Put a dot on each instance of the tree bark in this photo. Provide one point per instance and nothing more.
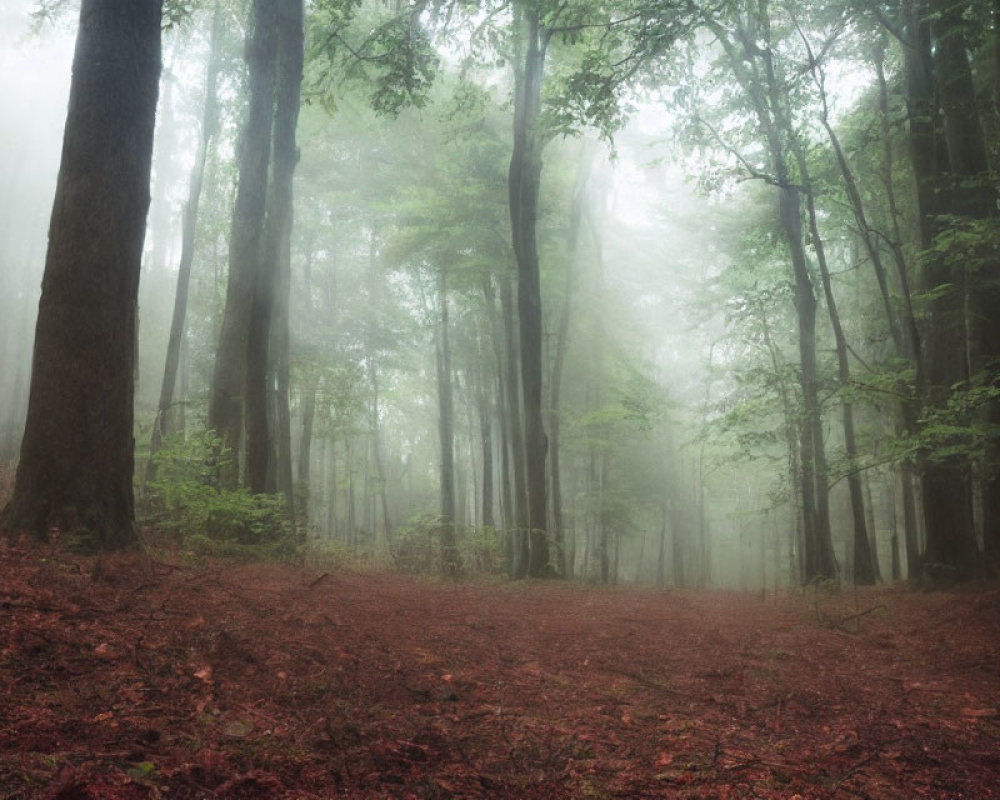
(753, 66)
(189, 227)
(559, 356)
(524, 184)
(77, 454)
(230, 376)
(446, 433)
(863, 563)
(280, 219)
(973, 200)
(485, 419)
(906, 423)
(515, 431)
(946, 482)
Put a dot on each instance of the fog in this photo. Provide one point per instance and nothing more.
(34, 85)
(674, 467)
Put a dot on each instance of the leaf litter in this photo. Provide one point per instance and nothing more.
(141, 680)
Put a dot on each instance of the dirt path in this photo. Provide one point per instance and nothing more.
(271, 682)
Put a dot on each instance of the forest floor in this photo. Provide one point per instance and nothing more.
(129, 678)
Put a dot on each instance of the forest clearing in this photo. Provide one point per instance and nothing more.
(129, 678)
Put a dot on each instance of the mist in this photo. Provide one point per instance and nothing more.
(670, 347)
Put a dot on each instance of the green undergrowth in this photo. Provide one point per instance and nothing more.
(184, 508)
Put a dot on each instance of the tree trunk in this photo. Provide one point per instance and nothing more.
(911, 340)
(946, 482)
(753, 66)
(504, 398)
(304, 475)
(600, 468)
(863, 565)
(76, 464)
(661, 555)
(189, 227)
(515, 431)
(973, 199)
(446, 432)
(524, 183)
(288, 73)
(483, 411)
(230, 376)
(372, 362)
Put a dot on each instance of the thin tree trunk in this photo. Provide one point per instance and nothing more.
(305, 441)
(559, 357)
(515, 431)
(754, 68)
(661, 557)
(504, 396)
(446, 431)
(907, 413)
(863, 565)
(189, 227)
(484, 414)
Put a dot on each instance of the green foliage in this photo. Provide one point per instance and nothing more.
(416, 548)
(390, 54)
(185, 504)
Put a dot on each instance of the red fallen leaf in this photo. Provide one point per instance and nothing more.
(104, 651)
(204, 675)
(979, 712)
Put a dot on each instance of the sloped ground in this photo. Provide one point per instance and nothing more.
(137, 680)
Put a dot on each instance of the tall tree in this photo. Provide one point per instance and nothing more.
(973, 203)
(446, 431)
(230, 376)
(189, 224)
(76, 464)
(935, 60)
(525, 178)
(278, 245)
(755, 63)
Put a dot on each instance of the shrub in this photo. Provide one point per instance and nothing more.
(416, 547)
(185, 506)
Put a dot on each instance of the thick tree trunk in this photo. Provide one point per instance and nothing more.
(973, 200)
(280, 219)
(230, 376)
(946, 482)
(524, 183)
(77, 453)
(189, 227)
